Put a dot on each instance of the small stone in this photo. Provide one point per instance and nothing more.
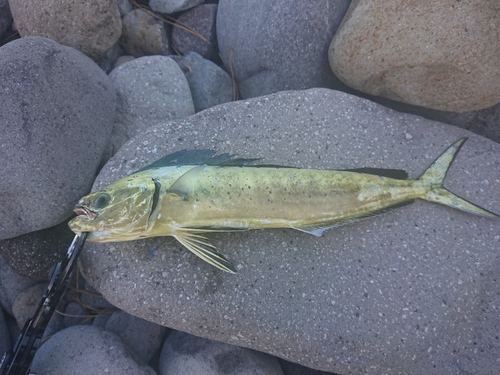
(144, 34)
(26, 302)
(4, 334)
(200, 19)
(84, 350)
(186, 354)
(210, 85)
(173, 6)
(90, 27)
(75, 314)
(143, 337)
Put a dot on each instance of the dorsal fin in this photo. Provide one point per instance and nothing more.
(197, 157)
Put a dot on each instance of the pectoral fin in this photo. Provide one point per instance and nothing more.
(200, 246)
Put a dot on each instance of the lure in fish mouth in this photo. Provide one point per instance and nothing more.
(189, 193)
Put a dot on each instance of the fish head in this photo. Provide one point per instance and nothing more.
(118, 212)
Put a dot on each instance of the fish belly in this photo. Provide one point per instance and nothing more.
(263, 197)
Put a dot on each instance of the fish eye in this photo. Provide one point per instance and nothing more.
(101, 200)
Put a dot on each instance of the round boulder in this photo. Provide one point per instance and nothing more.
(56, 111)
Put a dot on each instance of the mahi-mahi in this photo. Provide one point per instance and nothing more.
(189, 193)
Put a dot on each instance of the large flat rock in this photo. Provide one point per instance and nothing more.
(411, 291)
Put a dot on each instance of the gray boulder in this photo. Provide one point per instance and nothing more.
(410, 291)
(56, 112)
(209, 84)
(442, 55)
(86, 350)
(90, 27)
(278, 45)
(186, 354)
(143, 337)
(151, 89)
(200, 19)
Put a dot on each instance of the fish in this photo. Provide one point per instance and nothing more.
(190, 193)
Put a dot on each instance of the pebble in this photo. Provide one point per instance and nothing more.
(143, 337)
(200, 19)
(144, 34)
(441, 55)
(92, 28)
(26, 302)
(84, 350)
(11, 285)
(186, 354)
(210, 85)
(173, 6)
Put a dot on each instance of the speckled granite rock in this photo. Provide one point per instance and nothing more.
(442, 55)
(90, 27)
(411, 291)
(278, 45)
(56, 109)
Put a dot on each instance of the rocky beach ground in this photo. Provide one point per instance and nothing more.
(91, 92)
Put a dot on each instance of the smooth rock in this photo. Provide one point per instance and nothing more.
(143, 337)
(173, 6)
(123, 59)
(90, 27)
(278, 45)
(200, 19)
(75, 314)
(144, 34)
(5, 16)
(442, 55)
(186, 354)
(11, 285)
(150, 89)
(410, 291)
(34, 254)
(86, 350)
(26, 302)
(124, 6)
(56, 109)
(209, 84)
(5, 344)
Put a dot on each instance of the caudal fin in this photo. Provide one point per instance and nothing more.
(435, 175)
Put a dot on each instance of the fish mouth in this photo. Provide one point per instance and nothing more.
(85, 212)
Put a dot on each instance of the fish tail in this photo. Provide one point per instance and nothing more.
(434, 176)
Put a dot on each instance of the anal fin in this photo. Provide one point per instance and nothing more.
(202, 247)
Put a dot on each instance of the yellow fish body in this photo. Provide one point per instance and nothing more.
(184, 199)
